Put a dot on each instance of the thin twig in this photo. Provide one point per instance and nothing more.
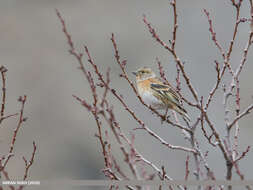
(245, 112)
(187, 171)
(20, 122)
(28, 164)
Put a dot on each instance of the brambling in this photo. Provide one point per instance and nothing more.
(157, 94)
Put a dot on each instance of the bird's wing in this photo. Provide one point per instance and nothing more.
(167, 91)
(170, 96)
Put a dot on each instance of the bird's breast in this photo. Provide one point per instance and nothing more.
(150, 99)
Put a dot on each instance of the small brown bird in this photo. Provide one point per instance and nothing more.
(157, 94)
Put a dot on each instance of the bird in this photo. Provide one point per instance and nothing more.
(157, 94)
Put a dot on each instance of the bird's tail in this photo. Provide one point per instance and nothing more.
(182, 111)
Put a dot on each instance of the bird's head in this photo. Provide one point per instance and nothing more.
(144, 73)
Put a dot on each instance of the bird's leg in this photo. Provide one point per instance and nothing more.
(164, 116)
(166, 112)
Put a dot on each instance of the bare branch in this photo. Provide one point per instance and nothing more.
(98, 123)
(161, 71)
(220, 74)
(28, 164)
(187, 171)
(173, 3)
(245, 112)
(3, 70)
(214, 34)
(243, 154)
(167, 144)
(20, 122)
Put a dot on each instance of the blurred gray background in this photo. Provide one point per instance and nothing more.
(34, 50)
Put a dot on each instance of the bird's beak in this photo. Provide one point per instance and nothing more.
(135, 73)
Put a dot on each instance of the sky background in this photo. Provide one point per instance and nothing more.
(35, 52)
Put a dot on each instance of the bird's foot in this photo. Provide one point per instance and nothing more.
(164, 118)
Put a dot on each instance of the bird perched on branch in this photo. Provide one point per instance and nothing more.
(157, 94)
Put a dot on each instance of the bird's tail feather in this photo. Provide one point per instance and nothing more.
(182, 112)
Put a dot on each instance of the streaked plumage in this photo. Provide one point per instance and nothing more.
(157, 94)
